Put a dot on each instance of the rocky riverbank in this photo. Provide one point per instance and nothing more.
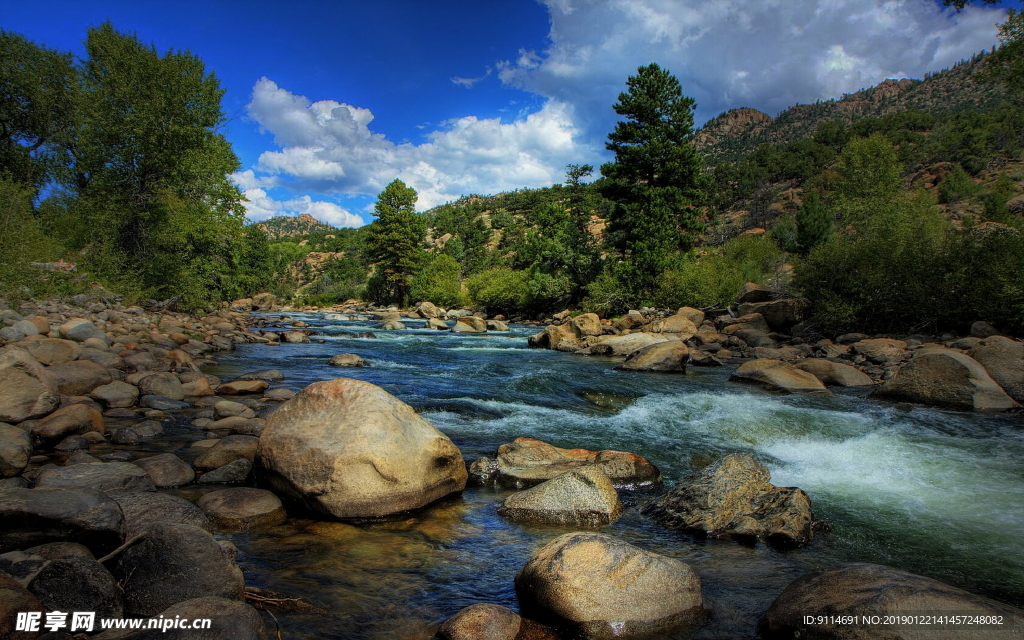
(80, 505)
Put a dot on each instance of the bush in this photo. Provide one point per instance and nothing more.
(439, 283)
(710, 281)
(956, 186)
(607, 296)
(499, 290)
(21, 243)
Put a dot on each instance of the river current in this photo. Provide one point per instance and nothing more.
(934, 492)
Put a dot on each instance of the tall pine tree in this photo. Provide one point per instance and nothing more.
(657, 179)
(395, 244)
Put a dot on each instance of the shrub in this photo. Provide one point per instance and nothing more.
(439, 283)
(500, 290)
(956, 186)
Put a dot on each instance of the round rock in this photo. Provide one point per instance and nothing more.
(481, 622)
(242, 508)
(584, 497)
(167, 470)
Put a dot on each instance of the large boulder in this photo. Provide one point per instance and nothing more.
(80, 377)
(173, 563)
(242, 508)
(946, 378)
(605, 588)
(14, 600)
(27, 389)
(72, 419)
(229, 620)
(142, 508)
(428, 310)
(835, 374)
(558, 337)
(779, 314)
(820, 604)
(734, 498)
(167, 470)
(77, 584)
(526, 462)
(627, 344)
(470, 324)
(99, 476)
(1003, 360)
(15, 450)
(587, 324)
(117, 394)
(776, 375)
(50, 351)
(163, 384)
(349, 449)
(677, 324)
(30, 517)
(226, 451)
(582, 497)
(666, 357)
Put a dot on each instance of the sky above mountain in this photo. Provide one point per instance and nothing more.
(328, 102)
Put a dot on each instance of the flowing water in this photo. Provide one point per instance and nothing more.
(933, 492)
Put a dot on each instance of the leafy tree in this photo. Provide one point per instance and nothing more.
(395, 243)
(499, 290)
(439, 283)
(956, 186)
(813, 223)
(1006, 64)
(656, 180)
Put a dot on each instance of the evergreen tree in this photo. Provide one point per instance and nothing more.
(1006, 64)
(395, 242)
(656, 180)
(813, 223)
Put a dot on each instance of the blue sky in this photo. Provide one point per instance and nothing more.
(329, 101)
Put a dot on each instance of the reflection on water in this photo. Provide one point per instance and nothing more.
(933, 492)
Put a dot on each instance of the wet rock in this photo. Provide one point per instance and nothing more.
(558, 337)
(229, 620)
(835, 374)
(393, 325)
(869, 590)
(77, 584)
(72, 443)
(469, 324)
(526, 462)
(880, 350)
(163, 384)
(347, 360)
(946, 378)
(349, 449)
(497, 325)
(15, 450)
(98, 476)
(482, 471)
(141, 508)
(15, 599)
(228, 450)
(30, 517)
(582, 497)
(239, 387)
(117, 394)
(776, 375)
(665, 357)
(51, 351)
(171, 564)
(242, 508)
(436, 323)
(279, 394)
(161, 403)
(733, 497)
(1003, 360)
(625, 345)
(605, 588)
(72, 419)
(295, 337)
(80, 457)
(27, 389)
(80, 377)
(80, 330)
(236, 472)
(481, 622)
(167, 470)
(227, 409)
(269, 375)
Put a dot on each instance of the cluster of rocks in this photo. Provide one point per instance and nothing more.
(769, 339)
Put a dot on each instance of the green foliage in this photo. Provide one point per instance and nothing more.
(499, 290)
(22, 242)
(1006, 64)
(956, 186)
(340, 279)
(785, 234)
(395, 244)
(607, 296)
(439, 283)
(813, 223)
(995, 200)
(656, 180)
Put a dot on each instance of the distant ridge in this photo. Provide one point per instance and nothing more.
(287, 226)
(737, 132)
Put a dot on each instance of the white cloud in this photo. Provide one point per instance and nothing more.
(261, 205)
(766, 54)
(469, 82)
(328, 147)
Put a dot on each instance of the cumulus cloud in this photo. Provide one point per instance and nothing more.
(260, 205)
(766, 54)
(328, 147)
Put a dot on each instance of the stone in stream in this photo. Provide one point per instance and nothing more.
(228, 408)
(228, 450)
(946, 378)
(16, 599)
(1003, 360)
(99, 476)
(80, 377)
(167, 470)
(30, 517)
(161, 403)
(733, 497)
(835, 373)
(72, 419)
(270, 375)
(229, 620)
(236, 472)
(869, 590)
(349, 449)
(779, 376)
(239, 387)
(117, 394)
(526, 462)
(605, 588)
(161, 383)
(141, 508)
(15, 450)
(347, 360)
(173, 563)
(670, 356)
(27, 389)
(581, 497)
(242, 508)
(481, 622)
(77, 584)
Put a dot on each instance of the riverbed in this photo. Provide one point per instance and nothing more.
(934, 492)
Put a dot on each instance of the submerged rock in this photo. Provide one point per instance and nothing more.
(870, 590)
(349, 449)
(526, 462)
(583, 497)
(733, 497)
(605, 588)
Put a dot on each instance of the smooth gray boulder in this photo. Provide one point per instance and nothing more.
(78, 584)
(30, 517)
(141, 508)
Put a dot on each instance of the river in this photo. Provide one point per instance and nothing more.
(934, 492)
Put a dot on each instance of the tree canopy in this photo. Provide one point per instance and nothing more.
(395, 242)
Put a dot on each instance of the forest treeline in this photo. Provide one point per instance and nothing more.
(900, 223)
